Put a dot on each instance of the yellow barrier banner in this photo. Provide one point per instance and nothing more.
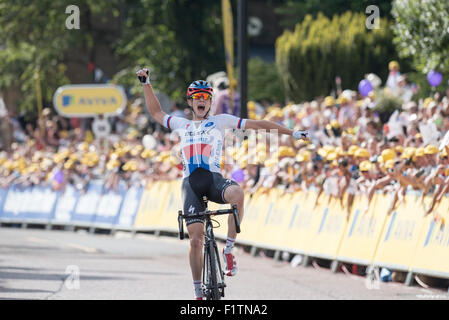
(253, 218)
(401, 233)
(277, 218)
(432, 252)
(403, 240)
(333, 223)
(152, 205)
(365, 228)
(169, 215)
(300, 234)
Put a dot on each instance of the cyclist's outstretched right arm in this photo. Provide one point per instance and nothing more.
(152, 102)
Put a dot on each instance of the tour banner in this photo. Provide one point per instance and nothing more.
(65, 205)
(89, 100)
(129, 208)
(29, 203)
(87, 204)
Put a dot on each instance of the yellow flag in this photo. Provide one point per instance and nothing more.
(229, 46)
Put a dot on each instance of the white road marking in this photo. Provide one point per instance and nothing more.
(123, 235)
(82, 248)
(71, 245)
(37, 240)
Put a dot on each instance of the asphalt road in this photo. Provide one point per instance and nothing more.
(62, 265)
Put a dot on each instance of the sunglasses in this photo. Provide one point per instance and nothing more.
(199, 95)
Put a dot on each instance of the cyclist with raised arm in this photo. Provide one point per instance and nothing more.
(201, 147)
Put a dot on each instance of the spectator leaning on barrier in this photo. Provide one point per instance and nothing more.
(439, 178)
(348, 184)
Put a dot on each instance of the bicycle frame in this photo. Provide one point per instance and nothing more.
(213, 276)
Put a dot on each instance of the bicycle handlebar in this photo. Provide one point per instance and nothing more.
(232, 211)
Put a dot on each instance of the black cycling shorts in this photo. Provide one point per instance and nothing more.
(199, 183)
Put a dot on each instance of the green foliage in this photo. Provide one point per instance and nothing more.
(421, 32)
(264, 82)
(35, 37)
(310, 57)
(294, 11)
(13, 60)
(180, 41)
(18, 65)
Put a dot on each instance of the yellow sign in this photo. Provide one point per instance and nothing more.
(401, 233)
(276, 219)
(169, 215)
(331, 228)
(432, 252)
(89, 100)
(152, 206)
(364, 230)
(253, 218)
(300, 234)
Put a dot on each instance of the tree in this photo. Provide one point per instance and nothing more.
(35, 37)
(295, 11)
(179, 40)
(421, 32)
(264, 82)
(318, 50)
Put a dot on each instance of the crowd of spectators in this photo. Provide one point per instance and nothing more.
(66, 151)
(350, 151)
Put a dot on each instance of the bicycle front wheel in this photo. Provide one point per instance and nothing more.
(214, 292)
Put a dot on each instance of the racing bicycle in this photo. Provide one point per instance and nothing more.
(213, 275)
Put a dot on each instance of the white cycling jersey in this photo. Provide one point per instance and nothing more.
(202, 141)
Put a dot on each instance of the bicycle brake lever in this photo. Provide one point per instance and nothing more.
(180, 225)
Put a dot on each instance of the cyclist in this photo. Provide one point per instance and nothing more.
(201, 147)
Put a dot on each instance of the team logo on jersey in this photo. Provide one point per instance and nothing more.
(209, 124)
(198, 155)
(187, 126)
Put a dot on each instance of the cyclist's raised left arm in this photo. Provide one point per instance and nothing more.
(267, 125)
(231, 121)
(270, 125)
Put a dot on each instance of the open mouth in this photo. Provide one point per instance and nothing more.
(201, 108)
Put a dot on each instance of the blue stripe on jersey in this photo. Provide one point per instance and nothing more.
(193, 166)
(168, 122)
